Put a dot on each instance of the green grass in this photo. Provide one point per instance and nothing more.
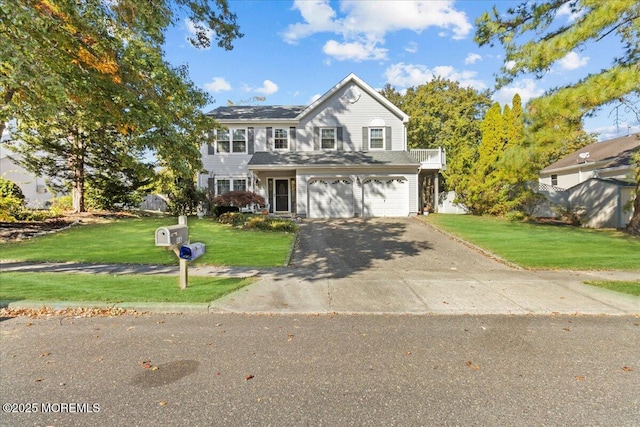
(132, 241)
(545, 246)
(631, 288)
(113, 289)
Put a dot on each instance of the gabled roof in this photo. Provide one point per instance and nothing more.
(297, 112)
(352, 78)
(331, 158)
(613, 153)
(257, 112)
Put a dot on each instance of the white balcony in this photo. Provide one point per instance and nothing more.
(435, 158)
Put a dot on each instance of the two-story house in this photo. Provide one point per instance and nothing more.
(344, 155)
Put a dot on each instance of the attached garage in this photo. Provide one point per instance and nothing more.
(385, 196)
(330, 198)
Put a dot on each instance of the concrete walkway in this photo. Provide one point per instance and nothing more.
(385, 266)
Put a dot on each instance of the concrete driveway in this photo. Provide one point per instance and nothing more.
(402, 265)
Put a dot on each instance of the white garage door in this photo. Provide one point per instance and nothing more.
(386, 197)
(330, 198)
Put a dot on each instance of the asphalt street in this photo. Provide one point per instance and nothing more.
(312, 370)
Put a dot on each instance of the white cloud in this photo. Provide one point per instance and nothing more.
(526, 88)
(565, 10)
(407, 75)
(355, 51)
(472, 58)
(268, 88)
(572, 60)
(314, 98)
(218, 84)
(367, 22)
(191, 29)
(411, 47)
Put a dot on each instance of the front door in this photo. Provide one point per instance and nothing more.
(281, 195)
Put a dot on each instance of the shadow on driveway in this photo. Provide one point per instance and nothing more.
(339, 248)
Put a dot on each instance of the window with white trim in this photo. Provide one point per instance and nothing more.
(554, 180)
(239, 185)
(223, 186)
(376, 138)
(281, 139)
(328, 138)
(231, 140)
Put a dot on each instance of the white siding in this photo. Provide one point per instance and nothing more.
(338, 111)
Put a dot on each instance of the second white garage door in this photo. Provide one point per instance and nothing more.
(330, 198)
(386, 197)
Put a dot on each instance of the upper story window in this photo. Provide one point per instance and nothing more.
(232, 141)
(281, 139)
(376, 138)
(328, 138)
(554, 180)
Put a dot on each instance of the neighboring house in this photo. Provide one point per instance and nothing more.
(34, 188)
(598, 178)
(344, 155)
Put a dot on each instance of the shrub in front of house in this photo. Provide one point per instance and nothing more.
(218, 211)
(258, 222)
(267, 223)
(236, 219)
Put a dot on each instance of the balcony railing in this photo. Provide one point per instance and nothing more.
(435, 158)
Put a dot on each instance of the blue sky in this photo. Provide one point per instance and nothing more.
(294, 51)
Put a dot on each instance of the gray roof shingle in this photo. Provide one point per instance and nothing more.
(610, 154)
(257, 112)
(333, 158)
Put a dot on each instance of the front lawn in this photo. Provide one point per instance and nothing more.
(114, 289)
(545, 246)
(631, 288)
(132, 241)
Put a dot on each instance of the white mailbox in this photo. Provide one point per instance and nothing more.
(192, 251)
(172, 235)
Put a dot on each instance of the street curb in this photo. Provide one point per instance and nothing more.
(135, 306)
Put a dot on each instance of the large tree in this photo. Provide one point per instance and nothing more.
(535, 38)
(445, 114)
(81, 77)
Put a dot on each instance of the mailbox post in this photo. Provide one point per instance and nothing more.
(176, 237)
(184, 267)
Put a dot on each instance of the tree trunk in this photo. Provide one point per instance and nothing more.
(633, 227)
(77, 168)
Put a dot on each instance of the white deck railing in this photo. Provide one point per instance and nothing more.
(435, 158)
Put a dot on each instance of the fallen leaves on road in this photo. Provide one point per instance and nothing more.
(627, 369)
(249, 377)
(68, 312)
(148, 365)
(472, 365)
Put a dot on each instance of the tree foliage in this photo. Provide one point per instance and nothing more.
(238, 198)
(534, 39)
(85, 79)
(444, 114)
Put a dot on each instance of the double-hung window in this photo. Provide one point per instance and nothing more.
(281, 139)
(239, 185)
(328, 138)
(222, 141)
(223, 186)
(376, 138)
(232, 141)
